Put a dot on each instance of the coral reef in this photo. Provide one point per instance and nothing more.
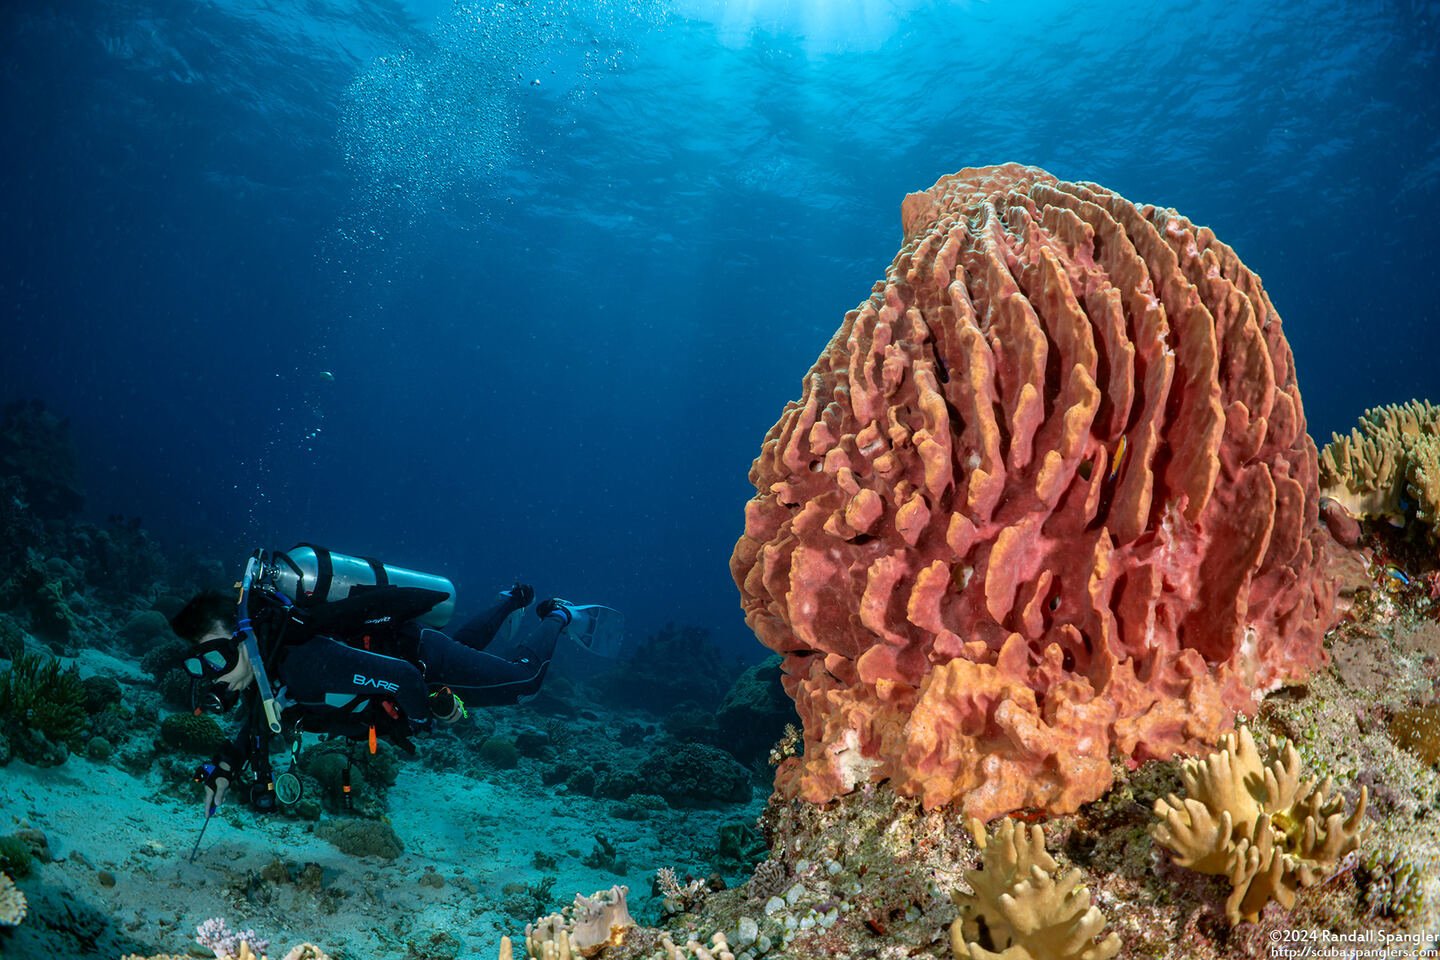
(584, 929)
(120, 559)
(45, 599)
(738, 843)
(1387, 465)
(215, 934)
(677, 897)
(192, 732)
(499, 752)
(600, 921)
(12, 902)
(349, 781)
(1050, 378)
(1019, 911)
(754, 712)
(35, 446)
(1393, 886)
(1417, 729)
(719, 949)
(362, 838)
(20, 529)
(645, 678)
(41, 696)
(1257, 824)
(301, 951)
(694, 774)
(15, 856)
(145, 631)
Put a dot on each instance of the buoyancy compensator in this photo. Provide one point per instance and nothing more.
(309, 575)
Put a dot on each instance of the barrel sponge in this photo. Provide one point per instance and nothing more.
(1392, 457)
(1047, 494)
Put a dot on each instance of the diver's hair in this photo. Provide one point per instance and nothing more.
(205, 609)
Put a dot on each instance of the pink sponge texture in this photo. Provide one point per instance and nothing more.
(1047, 496)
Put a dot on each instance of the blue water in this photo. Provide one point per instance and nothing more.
(566, 262)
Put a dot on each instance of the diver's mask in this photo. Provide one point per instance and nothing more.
(205, 664)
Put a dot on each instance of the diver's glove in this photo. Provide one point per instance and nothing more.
(520, 594)
(216, 777)
(554, 607)
(446, 706)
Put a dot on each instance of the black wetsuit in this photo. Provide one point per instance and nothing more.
(326, 686)
(324, 672)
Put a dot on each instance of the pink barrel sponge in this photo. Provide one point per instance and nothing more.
(1047, 496)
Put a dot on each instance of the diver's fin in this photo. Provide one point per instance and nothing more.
(598, 629)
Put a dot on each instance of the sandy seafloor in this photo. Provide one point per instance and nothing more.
(477, 834)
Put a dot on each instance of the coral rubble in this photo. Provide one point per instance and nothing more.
(1047, 496)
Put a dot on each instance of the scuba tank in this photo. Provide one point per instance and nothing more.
(310, 574)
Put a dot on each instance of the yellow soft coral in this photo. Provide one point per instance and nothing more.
(1256, 823)
(1019, 910)
(1392, 457)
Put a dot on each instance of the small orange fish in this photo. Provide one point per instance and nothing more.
(1120, 449)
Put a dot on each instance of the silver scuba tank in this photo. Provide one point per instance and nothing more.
(310, 574)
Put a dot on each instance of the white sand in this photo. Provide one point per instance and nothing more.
(99, 817)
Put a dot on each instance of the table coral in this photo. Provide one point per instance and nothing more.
(1047, 495)
(1019, 910)
(1391, 460)
(1257, 824)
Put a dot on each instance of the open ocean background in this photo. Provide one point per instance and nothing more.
(513, 289)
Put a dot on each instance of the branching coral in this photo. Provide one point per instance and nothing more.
(12, 902)
(1019, 910)
(43, 696)
(1392, 457)
(678, 898)
(1256, 823)
(215, 934)
(593, 924)
(719, 949)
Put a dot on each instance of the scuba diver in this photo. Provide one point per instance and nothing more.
(326, 643)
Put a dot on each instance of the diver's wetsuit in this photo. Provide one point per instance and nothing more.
(327, 686)
(325, 671)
